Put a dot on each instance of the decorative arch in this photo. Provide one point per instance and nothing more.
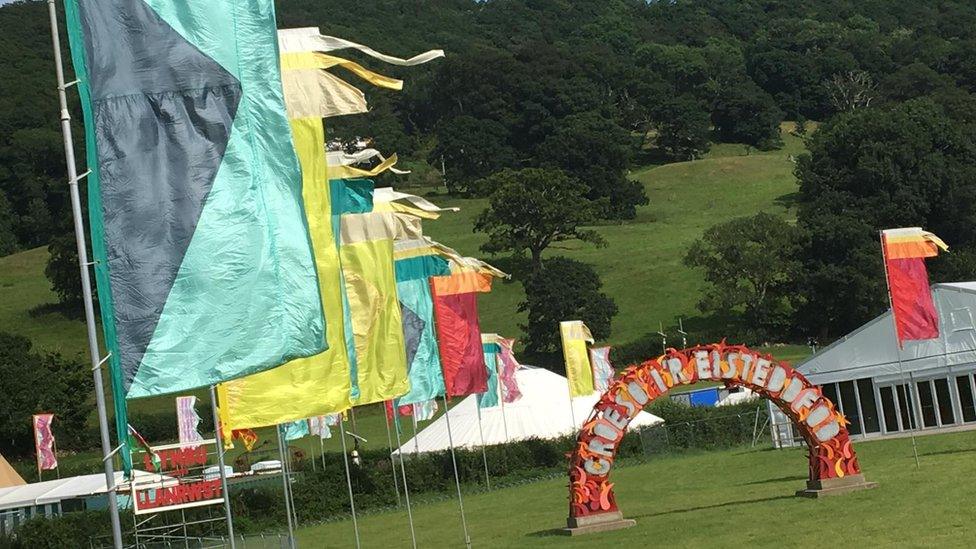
(831, 455)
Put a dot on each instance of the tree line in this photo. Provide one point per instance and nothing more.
(585, 89)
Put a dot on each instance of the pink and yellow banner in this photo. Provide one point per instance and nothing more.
(47, 459)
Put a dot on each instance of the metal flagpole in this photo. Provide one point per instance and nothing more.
(484, 453)
(389, 442)
(416, 443)
(894, 325)
(220, 463)
(79, 226)
(501, 395)
(406, 491)
(457, 481)
(345, 460)
(322, 451)
(284, 480)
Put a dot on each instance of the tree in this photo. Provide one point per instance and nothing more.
(906, 165)
(35, 383)
(596, 151)
(533, 208)
(744, 113)
(471, 149)
(750, 266)
(8, 240)
(851, 90)
(63, 274)
(682, 128)
(564, 289)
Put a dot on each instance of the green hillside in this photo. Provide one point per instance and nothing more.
(641, 267)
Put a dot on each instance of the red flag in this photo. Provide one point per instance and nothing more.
(459, 333)
(44, 442)
(247, 436)
(905, 251)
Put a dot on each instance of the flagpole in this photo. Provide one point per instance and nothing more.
(894, 325)
(284, 483)
(389, 443)
(322, 445)
(416, 443)
(484, 453)
(219, 436)
(345, 460)
(86, 291)
(406, 491)
(457, 481)
(501, 394)
(57, 466)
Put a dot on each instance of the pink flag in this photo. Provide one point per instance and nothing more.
(44, 442)
(602, 368)
(187, 418)
(506, 372)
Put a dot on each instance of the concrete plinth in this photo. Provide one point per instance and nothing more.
(835, 486)
(603, 522)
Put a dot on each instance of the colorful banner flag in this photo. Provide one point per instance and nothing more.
(317, 426)
(459, 332)
(491, 348)
(247, 436)
(423, 358)
(187, 419)
(47, 458)
(506, 371)
(425, 411)
(200, 243)
(151, 461)
(575, 335)
(295, 430)
(366, 254)
(603, 371)
(904, 252)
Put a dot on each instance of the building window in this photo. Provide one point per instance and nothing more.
(927, 403)
(906, 406)
(963, 383)
(943, 399)
(869, 406)
(890, 410)
(848, 404)
(829, 390)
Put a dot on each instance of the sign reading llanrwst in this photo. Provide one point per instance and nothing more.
(823, 427)
(168, 496)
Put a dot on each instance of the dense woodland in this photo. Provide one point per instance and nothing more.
(593, 88)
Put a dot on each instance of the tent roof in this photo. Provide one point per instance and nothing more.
(8, 476)
(871, 350)
(51, 491)
(542, 412)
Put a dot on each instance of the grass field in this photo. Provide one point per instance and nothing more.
(728, 498)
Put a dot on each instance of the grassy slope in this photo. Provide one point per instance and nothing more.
(718, 499)
(641, 267)
(23, 289)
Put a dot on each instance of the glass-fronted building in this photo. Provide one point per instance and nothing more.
(926, 385)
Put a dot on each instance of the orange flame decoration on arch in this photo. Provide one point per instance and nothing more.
(823, 426)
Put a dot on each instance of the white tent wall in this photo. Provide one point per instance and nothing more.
(542, 412)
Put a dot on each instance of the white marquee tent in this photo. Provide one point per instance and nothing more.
(542, 412)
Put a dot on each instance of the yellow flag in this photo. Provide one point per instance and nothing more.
(579, 373)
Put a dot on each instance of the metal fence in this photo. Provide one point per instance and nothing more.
(747, 428)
